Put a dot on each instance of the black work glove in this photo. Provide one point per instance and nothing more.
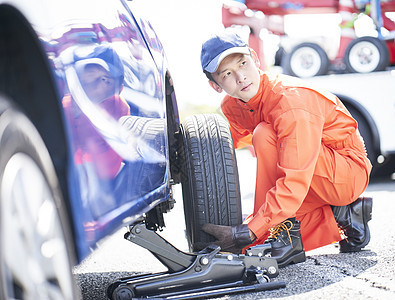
(230, 238)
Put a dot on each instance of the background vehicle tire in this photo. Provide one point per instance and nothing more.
(34, 245)
(305, 60)
(366, 54)
(210, 182)
(279, 55)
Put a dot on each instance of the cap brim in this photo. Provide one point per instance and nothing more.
(98, 61)
(213, 65)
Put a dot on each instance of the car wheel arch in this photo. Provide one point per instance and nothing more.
(173, 128)
(353, 105)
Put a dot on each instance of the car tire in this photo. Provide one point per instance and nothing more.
(366, 54)
(305, 60)
(210, 180)
(35, 247)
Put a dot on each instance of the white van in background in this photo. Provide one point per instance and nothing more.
(370, 98)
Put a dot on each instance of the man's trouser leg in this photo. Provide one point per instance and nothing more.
(336, 181)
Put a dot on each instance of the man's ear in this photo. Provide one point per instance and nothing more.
(215, 86)
(255, 58)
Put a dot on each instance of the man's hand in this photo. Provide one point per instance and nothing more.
(230, 238)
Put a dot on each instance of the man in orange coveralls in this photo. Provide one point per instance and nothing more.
(311, 160)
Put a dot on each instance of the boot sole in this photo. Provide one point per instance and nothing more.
(367, 216)
(294, 259)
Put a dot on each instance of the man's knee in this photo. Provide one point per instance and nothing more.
(264, 136)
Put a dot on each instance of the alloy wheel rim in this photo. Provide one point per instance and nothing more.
(33, 254)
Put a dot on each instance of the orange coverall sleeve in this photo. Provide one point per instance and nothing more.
(241, 136)
(299, 134)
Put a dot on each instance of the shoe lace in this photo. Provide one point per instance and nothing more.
(342, 233)
(284, 226)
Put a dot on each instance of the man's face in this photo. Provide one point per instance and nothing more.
(238, 75)
(98, 83)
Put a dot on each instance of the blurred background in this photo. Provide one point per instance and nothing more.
(344, 46)
(272, 27)
(182, 27)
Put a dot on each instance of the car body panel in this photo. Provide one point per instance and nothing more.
(118, 154)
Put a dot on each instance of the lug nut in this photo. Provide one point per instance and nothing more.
(204, 261)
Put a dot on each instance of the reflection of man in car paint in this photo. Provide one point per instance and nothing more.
(101, 75)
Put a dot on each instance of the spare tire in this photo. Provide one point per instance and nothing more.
(210, 179)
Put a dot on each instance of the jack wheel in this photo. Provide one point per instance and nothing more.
(121, 292)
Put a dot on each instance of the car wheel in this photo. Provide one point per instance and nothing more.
(210, 180)
(34, 257)
(366, 54)
(306, 60)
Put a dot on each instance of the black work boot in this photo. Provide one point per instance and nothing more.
(353, 220)
(286, 242)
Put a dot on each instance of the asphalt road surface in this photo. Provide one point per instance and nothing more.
(326, 274)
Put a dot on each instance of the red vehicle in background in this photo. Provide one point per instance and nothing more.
(367, 94)
(357, 54)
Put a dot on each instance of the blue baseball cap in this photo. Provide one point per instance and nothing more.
(220, 46)
(105, 56)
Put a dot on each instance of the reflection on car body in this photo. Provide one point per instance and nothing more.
(91, 77)
(101, 197)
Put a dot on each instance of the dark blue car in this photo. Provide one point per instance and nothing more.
(90, 141)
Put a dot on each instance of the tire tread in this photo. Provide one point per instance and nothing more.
(211, 190)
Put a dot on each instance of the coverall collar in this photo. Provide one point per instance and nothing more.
(254, 101)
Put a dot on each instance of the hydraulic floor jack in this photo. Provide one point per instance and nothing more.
(207, 273)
